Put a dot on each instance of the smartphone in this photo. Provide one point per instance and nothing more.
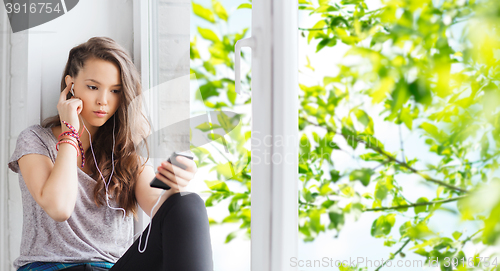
(159, 184)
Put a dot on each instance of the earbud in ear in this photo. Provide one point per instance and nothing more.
(72, 91)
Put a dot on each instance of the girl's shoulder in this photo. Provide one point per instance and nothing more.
(33, 139)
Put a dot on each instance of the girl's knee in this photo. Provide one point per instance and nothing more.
(187, 201)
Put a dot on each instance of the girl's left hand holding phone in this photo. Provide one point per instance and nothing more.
(176, 177)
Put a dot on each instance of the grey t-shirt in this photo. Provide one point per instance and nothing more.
(90, 232)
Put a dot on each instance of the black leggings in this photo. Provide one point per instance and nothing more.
(179, 239)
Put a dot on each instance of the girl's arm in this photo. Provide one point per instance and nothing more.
(54, 186)
(147, 195)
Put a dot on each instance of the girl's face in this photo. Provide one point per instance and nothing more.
(98, 85)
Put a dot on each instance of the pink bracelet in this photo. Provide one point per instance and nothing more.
(74, 134)
(70, 142)
(75, 144)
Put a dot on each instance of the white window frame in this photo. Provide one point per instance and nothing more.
(274, 239)
(274, 115)
(143, 45)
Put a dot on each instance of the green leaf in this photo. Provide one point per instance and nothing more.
(203, 12)
(245, 5)
(209, 67)
(420, 92)
(419, 231)
(456, 235)
(208, 34)
(334, 175)
(323, 2)
(383, 187)
(207, 126)
(225, 121)
(303, 168)
(230, 236)
(399, 201)
(231, 94)
(217, 186)
(403, 229)
(347, 190)
(337, 219)
(214, 198)
(382, 226)
(226, 170)
(433, 131)
(326, 42)
(366, 120)
(212, 221)
(363, 175)
(220, 11)
(424, 208)
(350, 137)
(316, 33)
(406, 117)
(305, 146)
(325, 190)
(309, 64)
(231, 218)
(314, 216)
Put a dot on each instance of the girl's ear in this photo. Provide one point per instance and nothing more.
(68, 80)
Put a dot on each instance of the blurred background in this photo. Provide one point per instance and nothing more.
(399, 133)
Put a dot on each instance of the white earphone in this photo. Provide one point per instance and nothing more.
(107, 196)
(72, 91)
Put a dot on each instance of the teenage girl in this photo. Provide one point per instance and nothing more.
(82, 179)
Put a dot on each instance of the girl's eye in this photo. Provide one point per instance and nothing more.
(92, 87)
(117, 91)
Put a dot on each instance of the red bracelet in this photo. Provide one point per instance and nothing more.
(68, 137)
(70, 142)
(68, 133)
(74, 133)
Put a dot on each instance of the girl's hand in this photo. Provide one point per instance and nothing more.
(69, 109)
(176, 177)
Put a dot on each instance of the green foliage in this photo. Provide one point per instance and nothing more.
(218, 93)
(404, 60)
(425, 68)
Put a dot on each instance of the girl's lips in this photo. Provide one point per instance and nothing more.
(100, 114)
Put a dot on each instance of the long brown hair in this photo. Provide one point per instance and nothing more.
(128, 123)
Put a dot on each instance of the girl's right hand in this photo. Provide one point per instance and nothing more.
(69, 109)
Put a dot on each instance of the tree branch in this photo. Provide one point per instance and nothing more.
(312, 29)
(395, 254)
(415, 204)
(307, 204)
(393, 159)
(401, 143)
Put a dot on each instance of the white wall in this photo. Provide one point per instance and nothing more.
(5, 48)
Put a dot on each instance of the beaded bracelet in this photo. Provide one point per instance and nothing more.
(71, 128)
(70, 142)
(77, 137)
(68, 133)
